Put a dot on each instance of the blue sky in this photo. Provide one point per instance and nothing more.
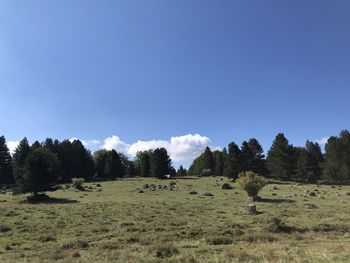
(146, 71)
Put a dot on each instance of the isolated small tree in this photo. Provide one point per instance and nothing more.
(41, 172)
(251, 183)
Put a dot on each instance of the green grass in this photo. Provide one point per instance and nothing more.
(119, 224)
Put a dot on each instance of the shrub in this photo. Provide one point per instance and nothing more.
(251, 182)
(166, 250)
(219, 240)
(78, 182)
(4, 228)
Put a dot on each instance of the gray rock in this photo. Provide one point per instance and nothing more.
(208, 194)
(250, 209)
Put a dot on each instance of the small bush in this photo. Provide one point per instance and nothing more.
(251, 182)
(4, 228)
(278, 226)
(219, 240)
(78, 182)
(166, 250)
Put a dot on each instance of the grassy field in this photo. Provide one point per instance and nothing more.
(117, 223)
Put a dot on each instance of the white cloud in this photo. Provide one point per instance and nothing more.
(84, 142)
(115, 143)
(180, 148)
(322, 141)
(12, 145)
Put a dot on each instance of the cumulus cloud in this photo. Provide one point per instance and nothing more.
(115, 143)
(322, 141)
(12, 145)
(180, 148)
(86, 143)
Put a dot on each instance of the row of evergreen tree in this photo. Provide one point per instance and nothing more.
(75, 161)
(284, 161)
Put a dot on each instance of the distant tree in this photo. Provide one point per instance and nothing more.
(41, 172)
(281, 159)
(232, 165)
(113, 166)
(142, 162)
(208, 160)
(337, 158)
(219, 161)
(181, 172)
(19, 157)
(203, 162)
(6, 171)
(100, 158)
(160, 163)
(35, 145)
(316, 160)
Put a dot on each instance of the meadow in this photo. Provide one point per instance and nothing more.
(124, 221)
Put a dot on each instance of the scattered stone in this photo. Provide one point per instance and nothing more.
(348, 193)
(320, 197)
(98, 185)
(226, 186)
(208, 194)
(145, 186)
(165, 187)
(311, 206)
(250, 209)
(338, 194)
(193, 193)
(311, 194)
(152, 186)
(274, 187)
(141, 191)
(160, 187)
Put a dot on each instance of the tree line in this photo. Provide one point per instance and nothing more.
(70, 159)
(283, 161)
(60, 161)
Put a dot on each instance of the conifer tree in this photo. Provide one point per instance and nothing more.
(6, 171)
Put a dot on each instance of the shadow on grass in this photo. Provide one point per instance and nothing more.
(45, 199)
(276, 200)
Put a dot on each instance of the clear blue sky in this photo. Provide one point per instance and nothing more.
(150, 70)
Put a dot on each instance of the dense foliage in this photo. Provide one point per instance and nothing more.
(251, 182)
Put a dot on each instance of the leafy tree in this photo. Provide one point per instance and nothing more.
(281, 158)
(41, 172)
(35, 145)
(160, 163)
(19, 157)
(232, 165)
(6, 171)
(337, 158)
(100, 158)
(181, 172)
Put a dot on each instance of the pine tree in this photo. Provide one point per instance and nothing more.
(232, 163)
(19, 157)
(219, 163)
(281, 159)
(181, 172)
(6, 171)
(142, 162)
(208, 160)
(337, 158)
(113, 167)
(41, 172)
(160, 163)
